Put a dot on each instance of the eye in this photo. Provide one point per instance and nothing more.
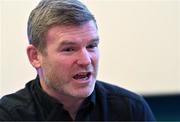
(92, 46)
(68, 49)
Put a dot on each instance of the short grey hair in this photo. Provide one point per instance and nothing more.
(55, 12)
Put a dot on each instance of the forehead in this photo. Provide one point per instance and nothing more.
(60, 33)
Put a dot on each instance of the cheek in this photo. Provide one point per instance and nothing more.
(95, 58)
(63, 65)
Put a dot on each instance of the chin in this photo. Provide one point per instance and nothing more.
(83, 92)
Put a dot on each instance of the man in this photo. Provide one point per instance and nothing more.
(63, 48)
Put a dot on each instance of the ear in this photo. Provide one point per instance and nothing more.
(34, 56)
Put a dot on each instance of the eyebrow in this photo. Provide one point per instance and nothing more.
(68, 42)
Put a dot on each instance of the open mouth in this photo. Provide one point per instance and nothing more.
(82, 76)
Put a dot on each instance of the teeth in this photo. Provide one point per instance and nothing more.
(81, 76)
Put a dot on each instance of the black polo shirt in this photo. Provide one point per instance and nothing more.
(106, 103)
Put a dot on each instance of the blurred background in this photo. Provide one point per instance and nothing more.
(139, 46)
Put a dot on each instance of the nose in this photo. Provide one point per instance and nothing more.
(84, 58)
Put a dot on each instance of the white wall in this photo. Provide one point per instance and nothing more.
(140, 47)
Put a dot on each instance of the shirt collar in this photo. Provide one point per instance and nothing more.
(49, 102)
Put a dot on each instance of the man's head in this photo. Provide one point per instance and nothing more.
(49, 13)
(64, 47)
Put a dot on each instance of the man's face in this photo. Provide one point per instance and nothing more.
(71, 64)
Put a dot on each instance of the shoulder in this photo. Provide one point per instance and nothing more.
(123, 101)
(21, 97)
(116, 95)
(12, 103)
(113, 90)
